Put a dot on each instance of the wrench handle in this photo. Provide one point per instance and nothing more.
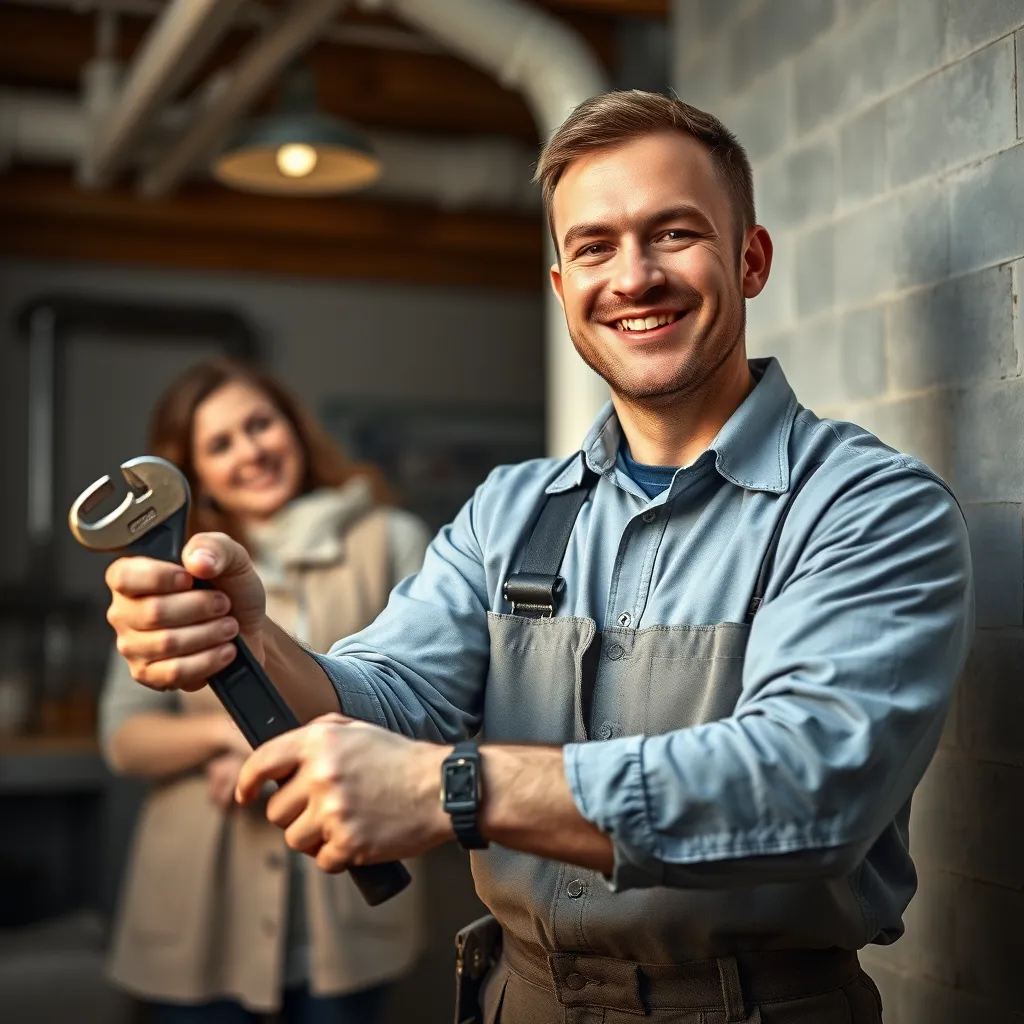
(258, 709)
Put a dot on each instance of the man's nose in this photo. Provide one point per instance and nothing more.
(636, 271)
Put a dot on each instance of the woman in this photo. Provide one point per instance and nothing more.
(220, 921)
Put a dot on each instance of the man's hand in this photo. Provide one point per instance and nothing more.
(358, 793)
(222, 777)
(174, 636)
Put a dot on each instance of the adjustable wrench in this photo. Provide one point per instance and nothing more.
(151, 520)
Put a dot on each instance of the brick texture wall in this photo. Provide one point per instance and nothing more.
(888, 144)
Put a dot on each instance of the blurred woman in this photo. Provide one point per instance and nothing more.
(219, 920)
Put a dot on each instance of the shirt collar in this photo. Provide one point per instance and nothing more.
(751, 450)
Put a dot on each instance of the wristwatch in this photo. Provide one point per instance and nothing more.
(461, 792)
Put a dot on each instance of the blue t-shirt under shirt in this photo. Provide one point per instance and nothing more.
(653, 479)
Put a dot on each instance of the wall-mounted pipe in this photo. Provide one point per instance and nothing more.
(175, 45)
(532, 51)
(255, 72)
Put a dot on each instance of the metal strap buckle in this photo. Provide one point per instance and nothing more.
(533, 595)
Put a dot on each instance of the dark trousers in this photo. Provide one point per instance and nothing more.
(298, 1007)
(762, 989)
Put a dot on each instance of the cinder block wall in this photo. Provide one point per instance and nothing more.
(888, 142)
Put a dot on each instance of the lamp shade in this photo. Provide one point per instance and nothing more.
(297, 150)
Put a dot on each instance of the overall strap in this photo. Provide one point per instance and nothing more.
(769, 556)
(535, 590)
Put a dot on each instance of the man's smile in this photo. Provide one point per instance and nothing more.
(644, 326)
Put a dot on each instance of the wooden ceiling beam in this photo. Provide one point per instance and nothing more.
(44, 215)
(379, 88)
(630, 8)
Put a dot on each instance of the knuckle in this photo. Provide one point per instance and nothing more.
(150, 613)
(166, 644)
(112, 577)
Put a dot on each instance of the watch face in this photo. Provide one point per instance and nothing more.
(460, 786)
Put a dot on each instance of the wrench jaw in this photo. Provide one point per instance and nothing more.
(157, 490)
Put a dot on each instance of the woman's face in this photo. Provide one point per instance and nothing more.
(245, 452)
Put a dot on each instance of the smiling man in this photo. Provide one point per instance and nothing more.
(707, 658)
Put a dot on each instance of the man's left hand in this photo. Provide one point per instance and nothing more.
(355, 793)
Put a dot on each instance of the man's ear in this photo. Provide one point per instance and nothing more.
(756, 263)
(556, 283)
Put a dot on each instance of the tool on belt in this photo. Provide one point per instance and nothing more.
(151, 520)
(477, 950)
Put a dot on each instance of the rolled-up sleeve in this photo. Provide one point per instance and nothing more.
(420, 667)
(850, 667)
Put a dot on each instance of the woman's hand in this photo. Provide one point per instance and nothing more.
(222, 777)
(174, 636)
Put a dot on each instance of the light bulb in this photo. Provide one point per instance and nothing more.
(296, 160)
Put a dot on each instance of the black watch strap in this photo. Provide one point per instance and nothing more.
(467, 831)
(466, 821)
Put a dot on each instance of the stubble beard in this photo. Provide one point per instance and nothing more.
(708, 354)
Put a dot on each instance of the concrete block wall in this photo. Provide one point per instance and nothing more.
(888, 143)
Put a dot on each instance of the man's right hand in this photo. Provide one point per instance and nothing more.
(174, 636)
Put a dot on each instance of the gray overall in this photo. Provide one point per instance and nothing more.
(573, 950)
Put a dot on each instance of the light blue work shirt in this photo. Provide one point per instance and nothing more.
(850, 665)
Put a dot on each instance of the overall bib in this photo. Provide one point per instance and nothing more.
(574, 952)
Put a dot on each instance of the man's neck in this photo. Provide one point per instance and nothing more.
(678, 433)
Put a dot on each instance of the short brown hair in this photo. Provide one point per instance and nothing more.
(170, 437)
(615, 117)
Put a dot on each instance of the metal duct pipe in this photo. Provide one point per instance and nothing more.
(260, 65)
(529, 50)
(454, 174)
(44, 128)
(178, 42)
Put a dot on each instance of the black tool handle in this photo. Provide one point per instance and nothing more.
(259, 711)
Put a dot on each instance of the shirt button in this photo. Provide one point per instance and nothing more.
(625, 619)
(269, 927)
(615, 652)
(606, 731)
(576, 888)
(275, 861)
(650, 515)
(575, 981)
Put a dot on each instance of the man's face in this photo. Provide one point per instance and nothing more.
(649, 277)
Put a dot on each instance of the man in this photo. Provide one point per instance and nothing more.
(709, 656)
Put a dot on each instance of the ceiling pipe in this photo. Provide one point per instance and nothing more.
(527, 49)
(453, 174)
(254, 73)
(41, 128)
(456, 173)
(181, 38)
(524, 47)
(259, 16)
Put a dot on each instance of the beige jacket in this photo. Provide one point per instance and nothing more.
(204, 908)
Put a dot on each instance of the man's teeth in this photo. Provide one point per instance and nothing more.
(646, 323)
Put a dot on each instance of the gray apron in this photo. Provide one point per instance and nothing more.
(554, 680)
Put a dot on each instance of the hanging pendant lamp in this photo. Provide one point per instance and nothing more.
(297, 150)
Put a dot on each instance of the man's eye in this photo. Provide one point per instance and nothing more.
(676, 235)
(594, 249)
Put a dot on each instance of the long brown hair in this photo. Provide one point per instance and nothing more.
(170, 437)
